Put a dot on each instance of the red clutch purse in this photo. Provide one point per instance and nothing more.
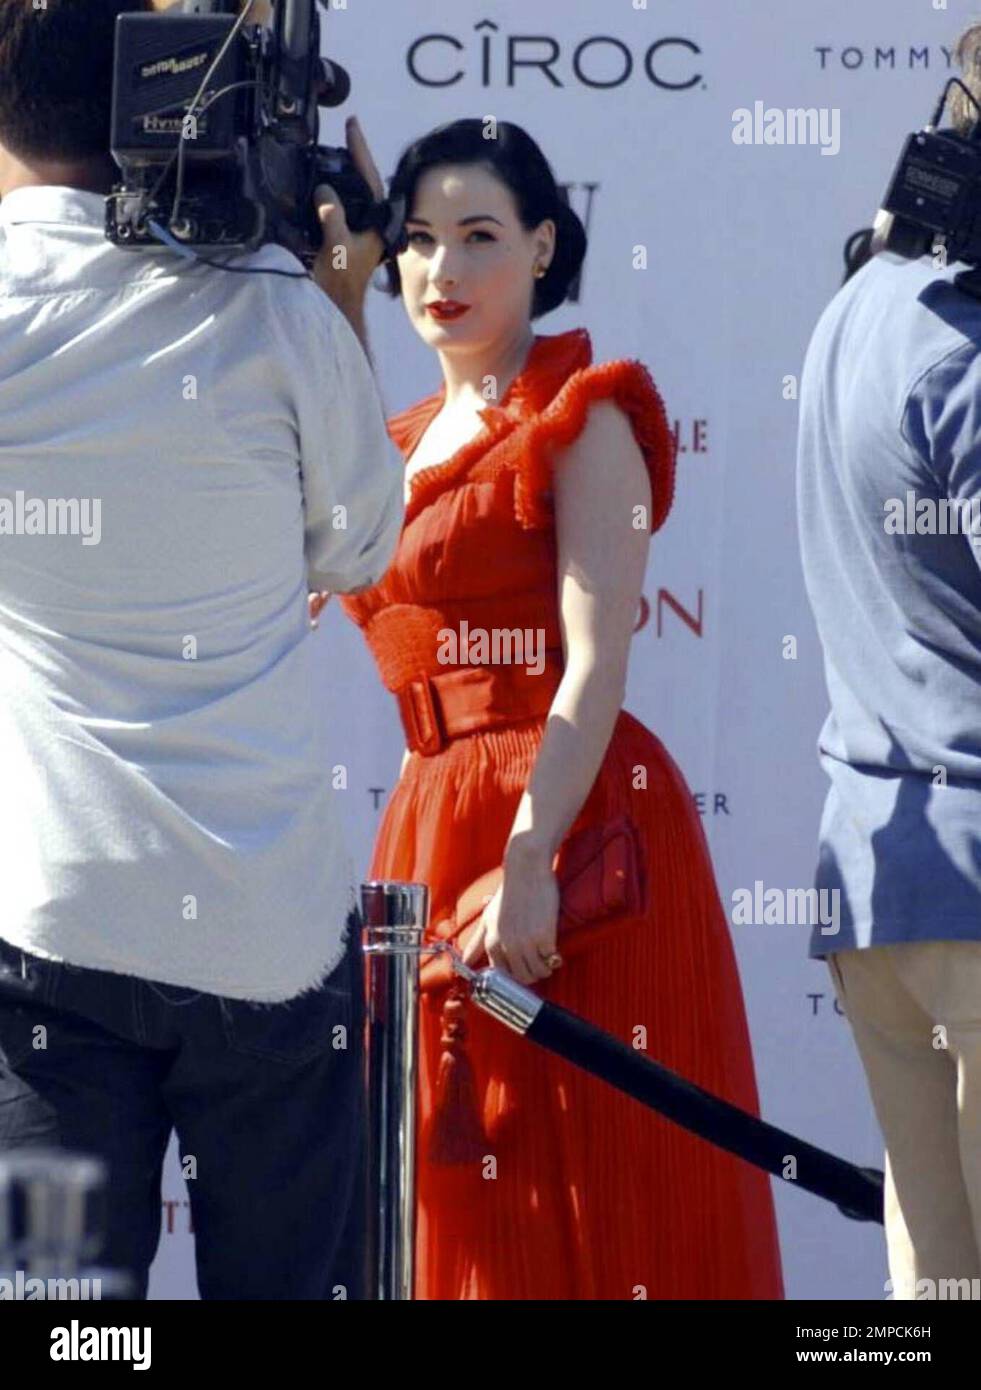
(602, 883)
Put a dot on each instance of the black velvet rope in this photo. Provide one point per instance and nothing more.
(857, 1192)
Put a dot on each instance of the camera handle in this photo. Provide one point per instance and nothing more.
(363, 211)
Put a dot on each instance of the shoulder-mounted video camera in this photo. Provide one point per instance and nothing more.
(214, 128)
(933, 203)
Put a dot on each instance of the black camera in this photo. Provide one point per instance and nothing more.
(933, 203)
(214, 127)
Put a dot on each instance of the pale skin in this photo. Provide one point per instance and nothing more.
(598, 483)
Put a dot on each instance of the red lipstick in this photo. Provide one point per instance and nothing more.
(446, 309)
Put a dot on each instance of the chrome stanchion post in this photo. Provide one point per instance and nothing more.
(395, 917)
(50, 1218)
(52, 1223)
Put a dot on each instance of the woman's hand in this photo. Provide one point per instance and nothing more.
(318, 602)
(318, 599)
(518, 927)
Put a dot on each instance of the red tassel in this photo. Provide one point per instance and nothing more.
(456, 1134)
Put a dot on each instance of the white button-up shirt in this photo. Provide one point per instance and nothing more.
(184, 451)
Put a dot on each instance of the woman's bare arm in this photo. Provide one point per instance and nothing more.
(602, 513)
(602, 509)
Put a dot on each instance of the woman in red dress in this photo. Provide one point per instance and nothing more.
(534, 479)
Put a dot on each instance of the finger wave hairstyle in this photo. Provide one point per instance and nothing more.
(520, 164)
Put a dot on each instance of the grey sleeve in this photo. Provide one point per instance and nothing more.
(351, 472)
(942, 422)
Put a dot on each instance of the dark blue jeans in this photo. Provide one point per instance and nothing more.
(267, 1099)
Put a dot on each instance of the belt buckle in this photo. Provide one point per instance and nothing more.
(419, 710)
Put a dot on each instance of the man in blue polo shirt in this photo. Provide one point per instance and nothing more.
(889, 488)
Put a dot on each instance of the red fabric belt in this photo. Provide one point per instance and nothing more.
(444, 706)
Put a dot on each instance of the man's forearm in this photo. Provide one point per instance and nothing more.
(354, 313)
(352, 307)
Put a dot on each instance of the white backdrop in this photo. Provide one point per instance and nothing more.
(743, 251)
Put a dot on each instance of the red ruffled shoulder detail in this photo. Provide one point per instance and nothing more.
(403, 427)
(629, 384)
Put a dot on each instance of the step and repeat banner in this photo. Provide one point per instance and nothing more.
(716, 217)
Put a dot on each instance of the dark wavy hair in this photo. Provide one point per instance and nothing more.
(519, 163)
(56, 76)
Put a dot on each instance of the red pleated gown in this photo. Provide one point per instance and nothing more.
(582, 1193)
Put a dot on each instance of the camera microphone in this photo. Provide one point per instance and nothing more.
(337, 85)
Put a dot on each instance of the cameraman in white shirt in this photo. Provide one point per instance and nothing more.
(185, 453)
